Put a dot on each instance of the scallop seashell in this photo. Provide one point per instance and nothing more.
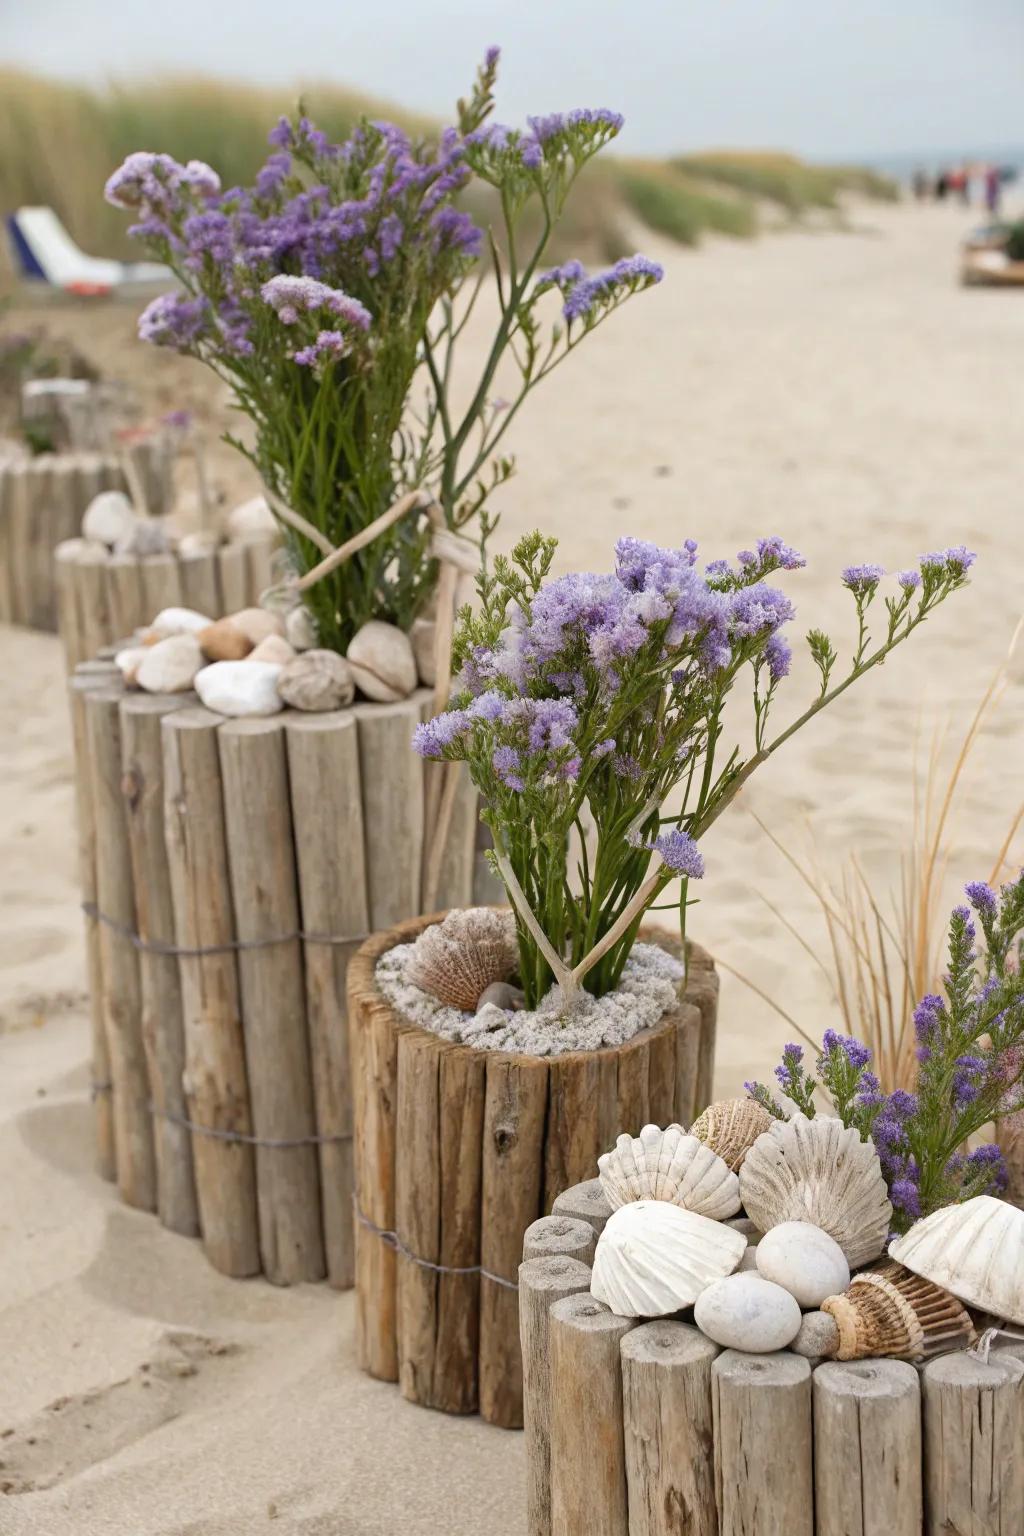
(818, 1171)
(669, 1165)
(457, 960)
(382, 662)
(975, 1250)
(654, 1258)
(731, 1127)
(890, 1311)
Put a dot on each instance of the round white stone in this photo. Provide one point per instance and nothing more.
(805, 1261)
(818, 1337)
(743, 1311)
(240, 688)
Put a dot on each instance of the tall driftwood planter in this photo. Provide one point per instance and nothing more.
(230, 868)
(102, 597)
(458, 1151)
(649, 1429)
(42, 502)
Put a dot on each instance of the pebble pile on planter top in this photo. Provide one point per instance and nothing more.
(775, 1233)
(111, 521)
(256, 661)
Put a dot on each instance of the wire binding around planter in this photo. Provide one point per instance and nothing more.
(230, 946)
(249, 1141)
(392, 1240)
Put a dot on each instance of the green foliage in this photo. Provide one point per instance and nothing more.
(673, 206)
(792, 184)
(1015, 241)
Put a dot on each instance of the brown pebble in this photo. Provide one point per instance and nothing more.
(224, 641)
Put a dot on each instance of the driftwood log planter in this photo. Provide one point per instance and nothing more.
(230, 868)
(458, 1151)
(42, 502)
(649, 1429)
(102, 597)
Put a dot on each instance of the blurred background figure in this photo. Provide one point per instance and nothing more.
(993, 189)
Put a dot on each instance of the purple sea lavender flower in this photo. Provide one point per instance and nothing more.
(679, 851)
(174, 321)
(758, 609)
(773, 554)
(273, 173)
(906, 1197)
(792, 1056)
(454, 230)
(856, 1053)
(862, 579)
(492, 56)
(431, 738)
(328, 348)
(564, 276)
(909, 580)
(290, 296)
(958, 560)
(631, 273)
(603, 748)
(988, 1159)
(982, 898)
(505, 763)
(488, 706)
(968, 1079)
(779, 657)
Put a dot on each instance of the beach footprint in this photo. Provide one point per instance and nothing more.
(73, 1433)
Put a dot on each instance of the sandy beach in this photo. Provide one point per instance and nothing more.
(839, 389)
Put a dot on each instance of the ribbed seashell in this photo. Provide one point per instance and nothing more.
(889, 1311)
(457, 959)
(975, 1250)
(731, 1127)
(654, 1258)
(822, 1172)
(669, 1165)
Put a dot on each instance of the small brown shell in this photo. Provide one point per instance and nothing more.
(458, 959)
(889, 1311)
(731, 1127)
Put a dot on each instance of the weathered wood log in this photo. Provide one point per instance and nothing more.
(973, 1434)
(265, 897)
(200, 584)
(21, 477)
(121, 990)
(690, 1041)
(327, 822)
(418, 1211)
(392, 785)
(6, 572)
(259, 565)
(667, 1417)
(86, 681)
(161, 584)
(584, 1202)
(542, 1281)
(588, 1454)
(163, 1031)
(373, 1043)
(216, 1086)
(92, 600)
(867, 1448)
(562, 1235)
(702, 987)
(461, 1093)
(515, 1112)
(125, 599)
(234, 577)
(763, 1453)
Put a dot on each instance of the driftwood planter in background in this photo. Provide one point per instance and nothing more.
(42, 502)
(102, 597)
(458, 1151)
(649, 1429)
(229, 869)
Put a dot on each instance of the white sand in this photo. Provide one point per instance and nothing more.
(840, 390)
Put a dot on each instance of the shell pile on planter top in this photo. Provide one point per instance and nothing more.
(804, 1266)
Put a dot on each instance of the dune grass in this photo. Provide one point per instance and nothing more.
(59, 142)
(885, 953)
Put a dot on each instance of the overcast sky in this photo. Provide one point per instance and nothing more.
(828, 78)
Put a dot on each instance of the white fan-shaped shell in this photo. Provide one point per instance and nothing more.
(974, 1250)
(654, 1258)
(669, 1165)
(822, 1172)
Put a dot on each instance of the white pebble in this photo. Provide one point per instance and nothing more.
(743, 1311)
(169, 666)
(108, 517)
(804, 1260)
(179, 621)
(240, 688)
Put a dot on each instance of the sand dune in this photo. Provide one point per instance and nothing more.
(840, 390)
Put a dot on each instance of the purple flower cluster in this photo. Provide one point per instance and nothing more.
(155, 182)
(679, 851)
(289, 297)
(862, 579)
(957, 559)
(171, 320)
(328, 347)
(586, 297)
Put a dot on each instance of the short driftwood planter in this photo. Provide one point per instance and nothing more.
(649, 1429)
(230, 868)
(458, 1150)
(102, 598)
(42, 501)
